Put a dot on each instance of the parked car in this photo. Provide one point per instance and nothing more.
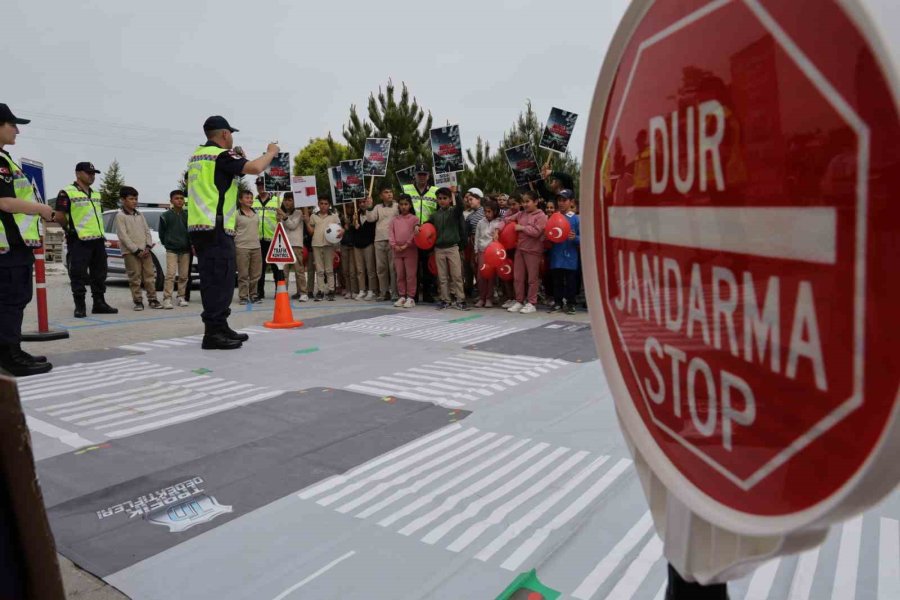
(114, 261)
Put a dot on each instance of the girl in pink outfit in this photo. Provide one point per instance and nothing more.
(530, 223)
(406, 255)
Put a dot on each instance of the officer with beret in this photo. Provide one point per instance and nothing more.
(19, 213)
(212, 176)
(79, 210)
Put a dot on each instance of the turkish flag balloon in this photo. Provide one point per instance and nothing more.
(557, 229)
(509, 237)
(487, 271)
(494, 254)
(426, 237)
(432, 265)
(505, 270)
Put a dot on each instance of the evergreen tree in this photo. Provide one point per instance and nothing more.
(403, 120)
(109, 187)
(317, 156)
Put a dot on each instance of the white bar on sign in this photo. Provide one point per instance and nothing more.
(792, 233)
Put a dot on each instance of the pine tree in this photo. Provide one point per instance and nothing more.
(109, 188)
(403, 120)
(317, 156)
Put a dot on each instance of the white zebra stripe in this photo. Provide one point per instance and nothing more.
(888, 559)
(762, 580)
(402, 464)
(804, 575)
(533, 543)
(638, 570)
(600, 573)
(428, 498)
(848, 560)
(333, 482)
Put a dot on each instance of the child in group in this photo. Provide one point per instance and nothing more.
(294, 224)
(348, 261)
(323, 250)
(135, 242)
(487, 231)
(246, 249)
(564, 258)
(530, 223)
(401, 231)
(513, 205)
(448, 222)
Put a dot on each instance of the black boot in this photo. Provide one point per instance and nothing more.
(217, 339)
(16, 364)
(30, 357)
(80, 309)
(679, 589)
(102, 308)
(234, 335)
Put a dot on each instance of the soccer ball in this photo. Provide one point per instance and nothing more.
(334, 233)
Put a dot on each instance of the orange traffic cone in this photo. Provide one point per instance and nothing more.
(283, 317)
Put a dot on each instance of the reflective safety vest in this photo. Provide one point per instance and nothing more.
(423, 205)
(85, 213)
(268, 217)
(27, 224)
(203, 195)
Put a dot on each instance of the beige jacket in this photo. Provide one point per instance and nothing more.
(133, 232)
(381, 215)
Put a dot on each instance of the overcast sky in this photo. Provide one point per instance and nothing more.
(113, 79)
(105, 79)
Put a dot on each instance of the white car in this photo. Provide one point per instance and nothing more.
(116, 264)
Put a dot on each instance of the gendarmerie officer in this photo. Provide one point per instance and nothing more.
(213, 173)
(79, 210)
(19, 213)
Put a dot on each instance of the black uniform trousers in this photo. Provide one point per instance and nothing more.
(276, 270)
(216, 265)
(15, 292)
(87, 266)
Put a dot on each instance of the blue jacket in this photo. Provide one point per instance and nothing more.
(564, 255)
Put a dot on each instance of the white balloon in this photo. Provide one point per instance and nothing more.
(334, 233)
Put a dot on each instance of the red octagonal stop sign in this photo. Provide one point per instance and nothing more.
(745, 243)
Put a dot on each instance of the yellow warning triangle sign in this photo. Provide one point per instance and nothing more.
(280, 251)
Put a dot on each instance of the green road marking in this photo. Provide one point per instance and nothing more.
(461, 319)
(201, 371)
(307, 350)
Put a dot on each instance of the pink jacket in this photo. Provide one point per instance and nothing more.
(531, 237)
(400, 230)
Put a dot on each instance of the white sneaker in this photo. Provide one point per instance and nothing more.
(370, 296)
(410, 303)
(514, 307)
(167, 303)
(508, 303)
(348, 296)
(400, 303)
(304, 298)
(360, 296)
(182, 302)
(527, 309)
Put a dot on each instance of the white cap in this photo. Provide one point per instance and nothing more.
(476, 192)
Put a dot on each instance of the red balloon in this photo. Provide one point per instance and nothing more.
(426, 237)
(494, 254)
(509, 237)
(557, 228)
(505, 270)
(432, 265)
(487, 271)
(305, 254)
(337, 260)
